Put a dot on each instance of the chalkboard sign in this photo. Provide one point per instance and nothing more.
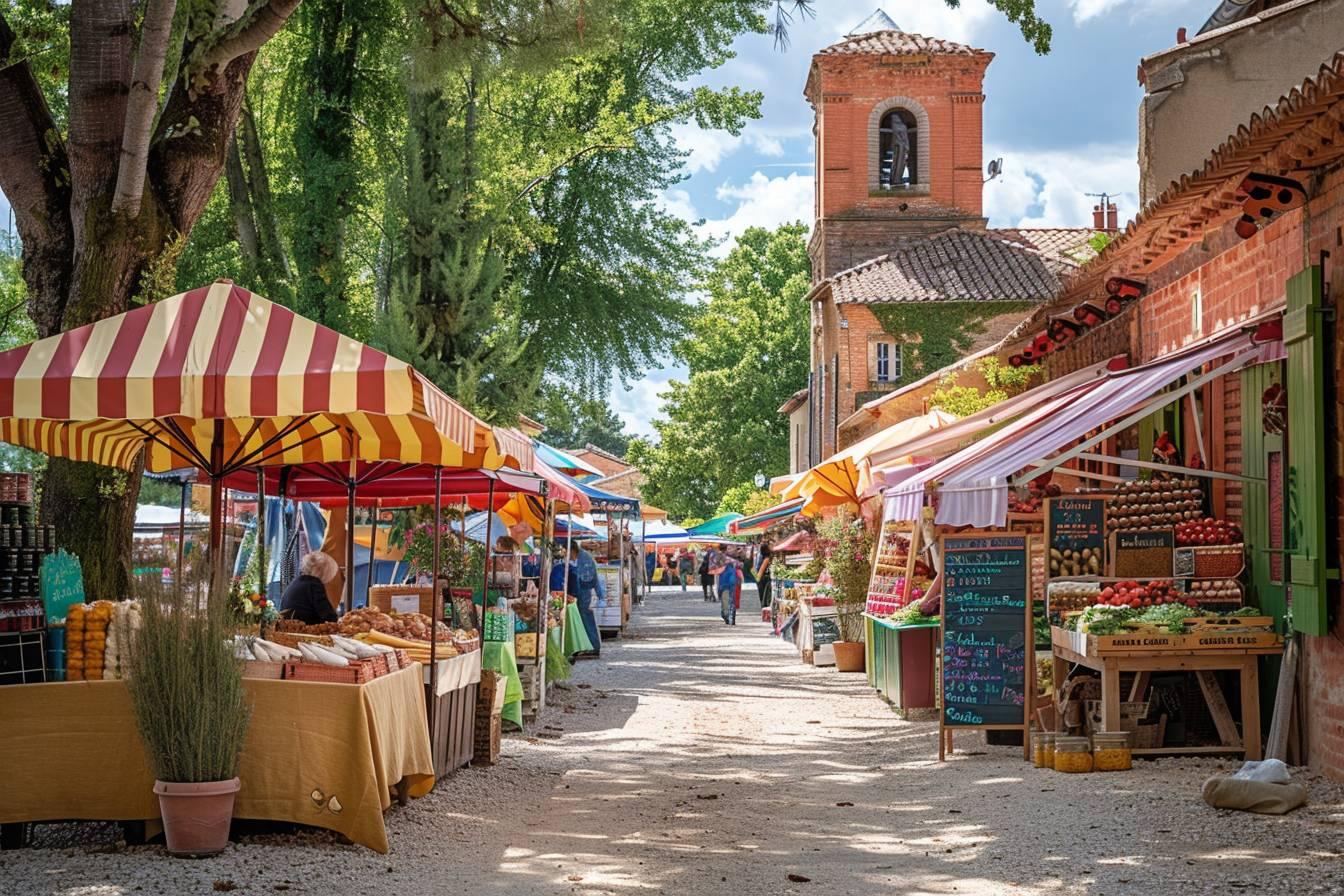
(986, 632)
(1142, 553)
(1075, 532)
(825, 630)
(62, 584)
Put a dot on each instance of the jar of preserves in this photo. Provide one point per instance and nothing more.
(1111, 752)
(1073, 754)
(1042, 748)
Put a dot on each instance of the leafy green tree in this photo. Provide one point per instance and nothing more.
(574, 419)
(747, 352)
(745, 498)
(1002, 382)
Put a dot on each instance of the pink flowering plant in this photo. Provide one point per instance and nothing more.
(848, 547)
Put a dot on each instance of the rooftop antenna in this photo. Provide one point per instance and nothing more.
(993, 169)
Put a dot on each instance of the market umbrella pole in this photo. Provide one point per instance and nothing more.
(373, 548)
(217, 505)
(435, 599)
(263, 579)
(485, 576)
(349, 599)
(182, 531)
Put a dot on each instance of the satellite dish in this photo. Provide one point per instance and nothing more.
(994, 168)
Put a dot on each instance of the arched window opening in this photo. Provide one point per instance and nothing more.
(898, 150)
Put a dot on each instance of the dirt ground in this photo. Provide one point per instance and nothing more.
(701, 759)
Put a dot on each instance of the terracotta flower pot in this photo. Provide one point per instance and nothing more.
(196, 816)
(849, 656)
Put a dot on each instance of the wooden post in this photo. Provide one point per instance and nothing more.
(217, 505)
(373, 548)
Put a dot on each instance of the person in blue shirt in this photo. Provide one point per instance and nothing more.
(726, 581)
(587, 586)
(650, 561)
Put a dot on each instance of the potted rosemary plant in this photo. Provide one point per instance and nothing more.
(848, 546)
(186, 687)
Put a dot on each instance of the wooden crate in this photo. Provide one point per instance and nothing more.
(1160, 642)
(263, 669)
(358, 672)
(453, 731)
(402, 598)
(488, 722)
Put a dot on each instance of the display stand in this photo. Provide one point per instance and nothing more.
(986, 636)
(900, 664)
(453, 721)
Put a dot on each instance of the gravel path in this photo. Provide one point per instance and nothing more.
(701, 759)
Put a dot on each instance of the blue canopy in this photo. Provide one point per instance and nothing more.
(606, 501)
(562, 460)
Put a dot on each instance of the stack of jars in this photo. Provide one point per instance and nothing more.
(1105, 751)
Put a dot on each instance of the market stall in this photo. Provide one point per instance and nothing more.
(232, 384)
(327, 755)
(1137, 579)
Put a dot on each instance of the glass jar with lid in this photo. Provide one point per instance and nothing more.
(1042, 750)
(1073, 754)
(1111, 751)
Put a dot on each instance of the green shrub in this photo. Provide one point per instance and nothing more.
(186, 683)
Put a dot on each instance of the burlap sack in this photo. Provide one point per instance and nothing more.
(1222, 792)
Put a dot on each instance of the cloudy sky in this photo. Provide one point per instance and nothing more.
(1064, 124)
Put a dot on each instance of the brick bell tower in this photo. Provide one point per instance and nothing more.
(898, 141)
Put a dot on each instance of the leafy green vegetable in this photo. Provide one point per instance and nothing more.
(1169, 617)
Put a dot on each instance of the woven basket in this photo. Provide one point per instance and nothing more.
(263, 669)
(358, 672)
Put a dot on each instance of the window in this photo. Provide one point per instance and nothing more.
(898, 150)
(888, 363)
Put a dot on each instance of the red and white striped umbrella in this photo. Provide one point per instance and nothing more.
(285, 390)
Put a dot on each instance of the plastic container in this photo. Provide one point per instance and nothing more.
(1111, 751)
(1073, 755)
(1043, 745)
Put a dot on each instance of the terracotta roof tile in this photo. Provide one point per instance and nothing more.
(954, 266)
(899, 43)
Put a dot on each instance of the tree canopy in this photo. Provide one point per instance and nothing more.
(747, 352)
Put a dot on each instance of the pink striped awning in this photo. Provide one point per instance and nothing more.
(275, 387)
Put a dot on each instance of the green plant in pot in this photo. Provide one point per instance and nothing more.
(186, 687)
(848, 547)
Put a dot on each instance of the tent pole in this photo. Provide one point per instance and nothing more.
(217, 506)
(263, 579)
(569, 541)
(373, 550)
(182, 531)
(280, 527)
(435, 600)
(349, 599)
(485, 576)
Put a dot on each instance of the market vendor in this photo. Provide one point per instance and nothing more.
(587, 584)
(306, 597)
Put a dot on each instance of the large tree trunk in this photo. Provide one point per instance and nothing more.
(82, 261)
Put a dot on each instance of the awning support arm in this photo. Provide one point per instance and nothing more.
(1144, 410)
(1153, 465)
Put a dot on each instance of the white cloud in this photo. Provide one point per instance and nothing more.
(1086, 10)
(707, 148)
(638, 405)
(762, 202)
(677, 201)
(1047, 188)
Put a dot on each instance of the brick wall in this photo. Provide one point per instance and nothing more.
(849, 94)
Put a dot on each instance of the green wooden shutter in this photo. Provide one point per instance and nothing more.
(1303, 335)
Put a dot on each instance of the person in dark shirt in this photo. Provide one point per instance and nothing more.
(306, 597)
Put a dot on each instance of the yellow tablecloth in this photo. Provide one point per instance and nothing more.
(326, 755)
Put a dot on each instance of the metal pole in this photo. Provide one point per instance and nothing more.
(263, 577)
(569, 541)
(435, 601)
(489, 528)
(217, 505)
(373, 550)
(643, 564)
(182, 532)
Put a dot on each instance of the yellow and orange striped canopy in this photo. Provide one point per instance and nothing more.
(283, 390)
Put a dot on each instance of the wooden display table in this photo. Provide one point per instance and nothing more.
(452, 736)
(1202, 655)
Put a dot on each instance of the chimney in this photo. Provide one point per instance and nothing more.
(1180, 36)
(1112, 217)
(1098, 218)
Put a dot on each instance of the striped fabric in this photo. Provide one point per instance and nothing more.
(283, 390)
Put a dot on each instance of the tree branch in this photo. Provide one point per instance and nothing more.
(247, 34)
(35, 177)
(565, 163)
(141, 105)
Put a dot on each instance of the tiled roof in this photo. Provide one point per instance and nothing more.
(1300, 133)
(1067, 246)
(954, 266)
(900, 43)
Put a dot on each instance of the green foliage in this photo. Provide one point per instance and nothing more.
(747, 353)
(574, 419)
(160, 493)
(946, 331)
(1099, 241)
(1003, 383)
(847, 545)
(691, 522)
(186, 685)
(15, 329)
(745, 498)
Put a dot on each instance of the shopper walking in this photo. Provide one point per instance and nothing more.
(763, 574)
(685, 566)
(706, 577)
(727, 579)
(585, 574)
